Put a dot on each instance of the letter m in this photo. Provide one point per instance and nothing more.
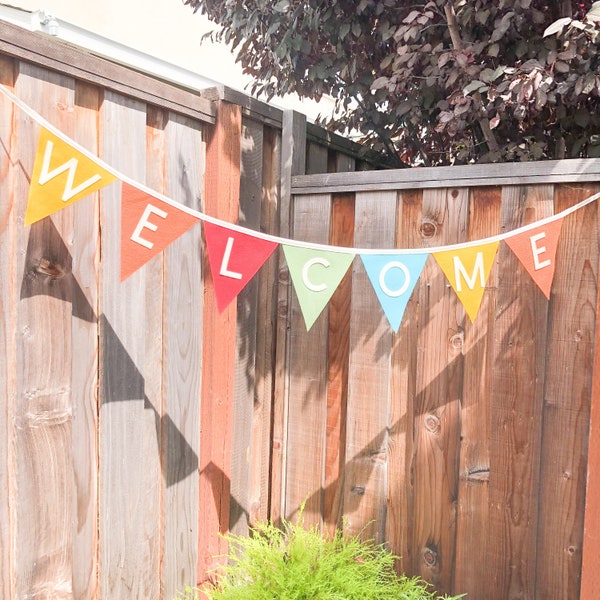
(478, 269)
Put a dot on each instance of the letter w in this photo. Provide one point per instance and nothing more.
(70, 166)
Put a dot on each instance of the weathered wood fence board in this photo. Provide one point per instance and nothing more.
(491, 417)
(8, 299)
(139, 422)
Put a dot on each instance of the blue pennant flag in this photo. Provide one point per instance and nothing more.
(393, 277)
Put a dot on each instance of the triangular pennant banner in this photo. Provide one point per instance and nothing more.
(148, 226)
(393, 277)
(315, 274)
(467, 269)
(61, 176)
(536, 249)
(234, 259)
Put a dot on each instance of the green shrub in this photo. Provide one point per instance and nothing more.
(294, 563)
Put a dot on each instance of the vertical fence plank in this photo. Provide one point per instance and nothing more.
(8, 327)
(316, 158)
(182, 357)
(438, 394)
(222, 188)
(369, 377)
(45, 493)
(156, 179)
(402, 396)
(260, 455)
(130, 535)
(293, 162)
(516, 397)
(474, 467)
(247, 312)
(567, 397)
(307, 411)
(590, 569)
(342, 234)
(86, 258)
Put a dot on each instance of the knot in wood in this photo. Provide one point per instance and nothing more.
(430, 557)
(457, 340)
(358, 490)
(432, 423)
(49, 269)
(428, 228)
(282, 308)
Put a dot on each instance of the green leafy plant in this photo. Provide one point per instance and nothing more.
(295, 563)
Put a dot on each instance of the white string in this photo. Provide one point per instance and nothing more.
(276, 239)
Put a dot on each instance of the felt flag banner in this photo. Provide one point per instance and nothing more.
(64, 172)
(234, 258)
(315, 274)
(467, 269)
(148, 226)
(536, 249)
(393, 277)
(61, 176)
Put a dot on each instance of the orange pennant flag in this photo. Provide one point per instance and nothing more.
(148, 226)
(536, 250)
(61, 176)
(467, 269)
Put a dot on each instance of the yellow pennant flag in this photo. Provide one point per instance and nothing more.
(61, 176)
(467, 270)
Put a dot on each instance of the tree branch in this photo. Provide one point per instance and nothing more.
(457, 42)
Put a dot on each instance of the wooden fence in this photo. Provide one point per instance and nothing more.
(463, 445)
(139, 422)
(118, 413)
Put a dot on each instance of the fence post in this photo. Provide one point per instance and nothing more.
(293, 162)
(222, 194)
(590, 568)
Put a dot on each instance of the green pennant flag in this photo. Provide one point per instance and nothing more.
(315, 274)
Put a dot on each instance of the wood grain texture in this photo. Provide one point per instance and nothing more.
(247, 311)
(590, 569)
(365, 479)
(307, 411)
(342, 234)
(474, 467)
(439, 377)
(316, 158)
(403, 357)
(260, 453)
(520, 341)
(45, 491)
(86, 262)
(567, 400)
(182, 359)
(130, 475)
(221, 199)
(293, 162)
(9, 228)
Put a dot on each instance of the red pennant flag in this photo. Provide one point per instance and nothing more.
(536, 249)
(148, 226)
(234, 259)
